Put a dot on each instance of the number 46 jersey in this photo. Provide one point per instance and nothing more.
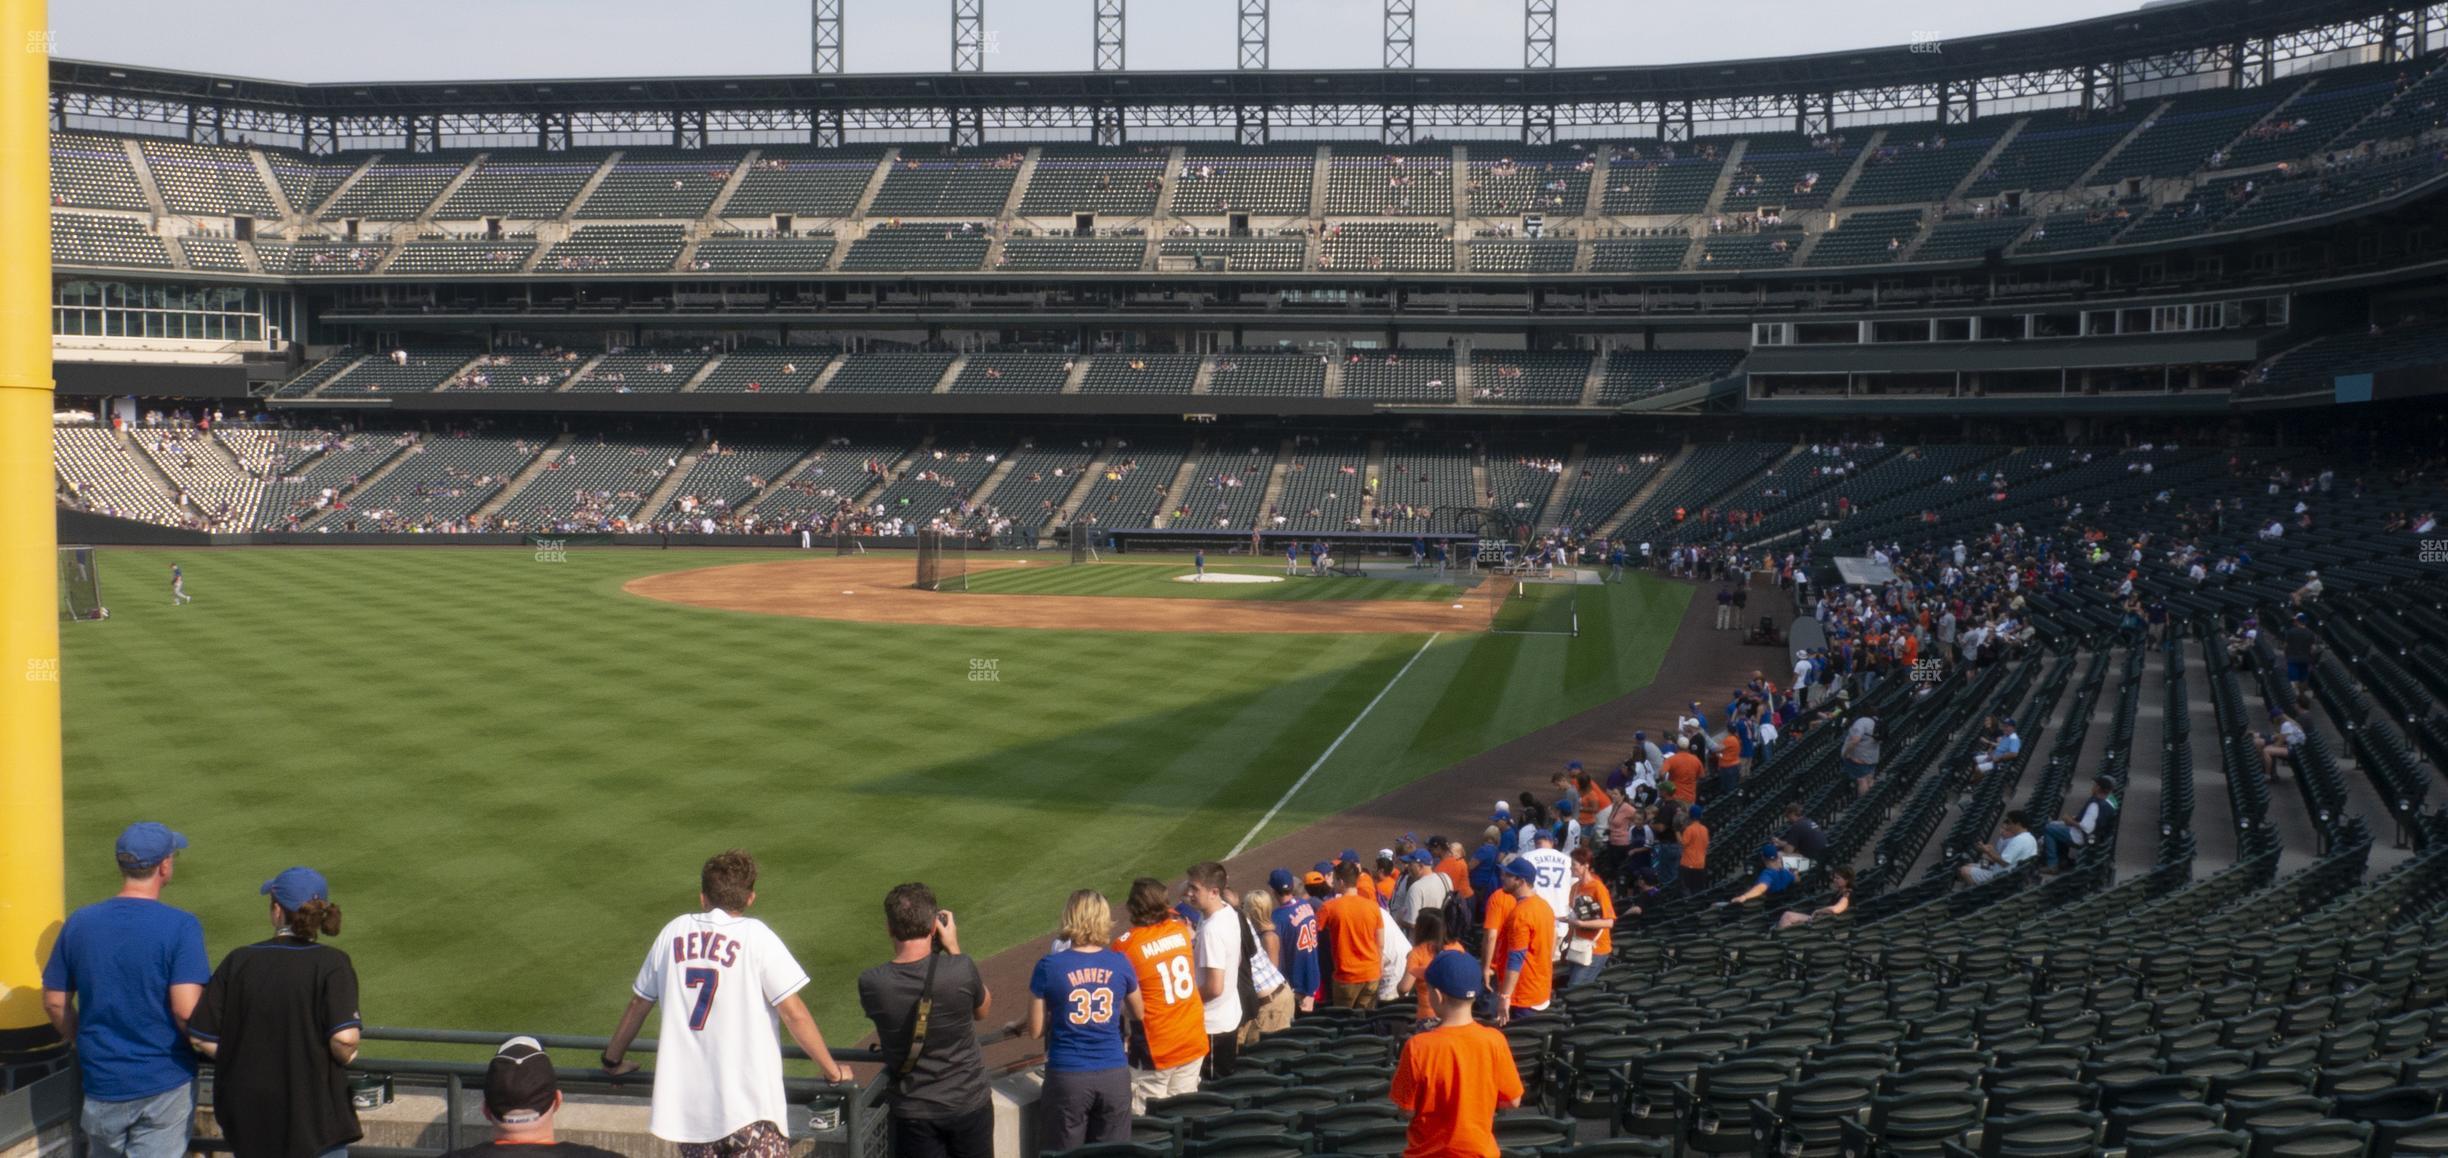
(1168, 983)
(718, 1062)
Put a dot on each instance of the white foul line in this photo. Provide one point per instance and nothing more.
(1289, 793)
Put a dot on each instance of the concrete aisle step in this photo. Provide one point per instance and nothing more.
(2138, 842)
(2213, 814)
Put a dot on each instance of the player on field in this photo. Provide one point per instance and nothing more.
(178, 587)
(1198, 560)
(721, 977)
(1169, 1043)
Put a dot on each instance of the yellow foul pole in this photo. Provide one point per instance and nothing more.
(32, 891)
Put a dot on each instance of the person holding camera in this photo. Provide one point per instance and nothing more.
(925, 1004)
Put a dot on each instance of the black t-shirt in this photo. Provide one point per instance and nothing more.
(523, 1150)
(272, 1006)
(2299, 644)
(1807, 838)
(950, 1077)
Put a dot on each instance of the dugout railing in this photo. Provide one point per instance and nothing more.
(863, 1130)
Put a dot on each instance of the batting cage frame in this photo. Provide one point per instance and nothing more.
(847, 543)
(1084, 535)
(80, 585)
(1496, 536)
(943, 561)
(1523, 603)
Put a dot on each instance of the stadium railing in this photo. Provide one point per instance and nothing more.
(861, 1132)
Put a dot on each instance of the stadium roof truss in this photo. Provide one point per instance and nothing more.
(2098, 63)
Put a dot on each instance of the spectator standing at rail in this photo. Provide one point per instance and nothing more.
(522, 1098)
(1170, 1041)
(1080, 997)
(926, 1003)
(1525, 951)
(123, 977)
(279, 1021)
(722, 977)
(1221, 967)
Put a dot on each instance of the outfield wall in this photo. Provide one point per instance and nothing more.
(89, 528)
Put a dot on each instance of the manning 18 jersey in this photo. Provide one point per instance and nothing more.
(718, 1063)
(1168, 984)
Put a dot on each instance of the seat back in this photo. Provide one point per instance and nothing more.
(2326, 1138)
(2053, 1134)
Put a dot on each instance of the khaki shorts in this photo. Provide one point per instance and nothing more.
(1150, 1085)
(1354, 994)
(1274, 1015)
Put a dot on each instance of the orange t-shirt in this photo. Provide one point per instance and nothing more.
(1596, 889)
(1168, 982)
(1530, 931)
(1499, 906)
(1354, 928)
(1453, 1079)
(1591, 802)
(1685, 769)
(1368, 886)
(1416, 968)
(1729, 751)
(1458, 875)
(1695, 845)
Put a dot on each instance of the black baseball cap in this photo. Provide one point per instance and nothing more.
(520, 1084)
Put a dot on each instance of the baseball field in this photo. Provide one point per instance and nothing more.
(511, 768)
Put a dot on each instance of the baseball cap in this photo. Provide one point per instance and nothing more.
(1768, 851)
(1435, 841)
(296, 886)
(1694, 811)
(1572, 766)
(1324, 868)
(1567, 804)
(1385, 854)
(1520, 866)
(1420, 858)
(1314, 878)
(1504, 807)
(145, 844)
(1350, 856)
(1280, 879)
(519, 1082)
(1453, 973)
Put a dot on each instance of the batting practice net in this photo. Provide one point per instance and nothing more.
(1083, 541)
(943, 561)
(1532, 604)
(80, 584)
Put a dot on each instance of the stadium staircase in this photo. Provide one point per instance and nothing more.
(2105, 159)
(824, 377)
(1574, 459)
(1373, 469)
(698, 379)
(731, 184)
(1068, 506)
(1180, 490)
(660, 497)
(1318, 183)
(1465, 381)
(1922, 228)
(1615, 521)
(952, 372)
(2284, 103)
(1601, 164)
(1853, 172)
(583, 369)
(1166, 181)
(594, 181)
(1997, 148)
(529, 473)
(1479, 475)
(1334, 370)
(272, 188)
(399, 455)
(1461, 179)
(145, 182)
(1204, 382)
(450, 190)
(309, 212)
(1596, 383)
(1277, 475)
(983, 493)
(1725, 181)
(146, 466)
(1078, 375)
(780, 481)
(875, 185)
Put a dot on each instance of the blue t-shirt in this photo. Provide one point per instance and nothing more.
(1087, 995)
(1296, 927)
(1777, 879)
(120, 957)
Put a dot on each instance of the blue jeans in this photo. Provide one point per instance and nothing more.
(154, 1127)
(2056, 843)
(1584, 974)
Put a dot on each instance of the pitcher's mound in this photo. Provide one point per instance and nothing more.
(1227, 577)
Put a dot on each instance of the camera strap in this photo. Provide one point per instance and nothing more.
(918, 1024)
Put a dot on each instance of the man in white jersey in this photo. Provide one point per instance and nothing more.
(1554, 881)
(721, 977)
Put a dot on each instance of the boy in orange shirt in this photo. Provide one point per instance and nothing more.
(1684, 768)
(1526, 950)
(1165, 1055)
(1694, 874)
(1453, 1079)
(1354, 928)
(1592, 919)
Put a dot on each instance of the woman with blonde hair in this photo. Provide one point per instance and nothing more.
(1275, 998)
(1078, 999)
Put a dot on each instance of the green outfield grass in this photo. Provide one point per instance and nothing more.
(1158, 580)
(511, 769)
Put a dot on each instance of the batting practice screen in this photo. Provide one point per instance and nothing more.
(1524, 605)
(943, 562)
(80, 584)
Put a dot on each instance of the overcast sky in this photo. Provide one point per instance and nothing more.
(342, 40)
